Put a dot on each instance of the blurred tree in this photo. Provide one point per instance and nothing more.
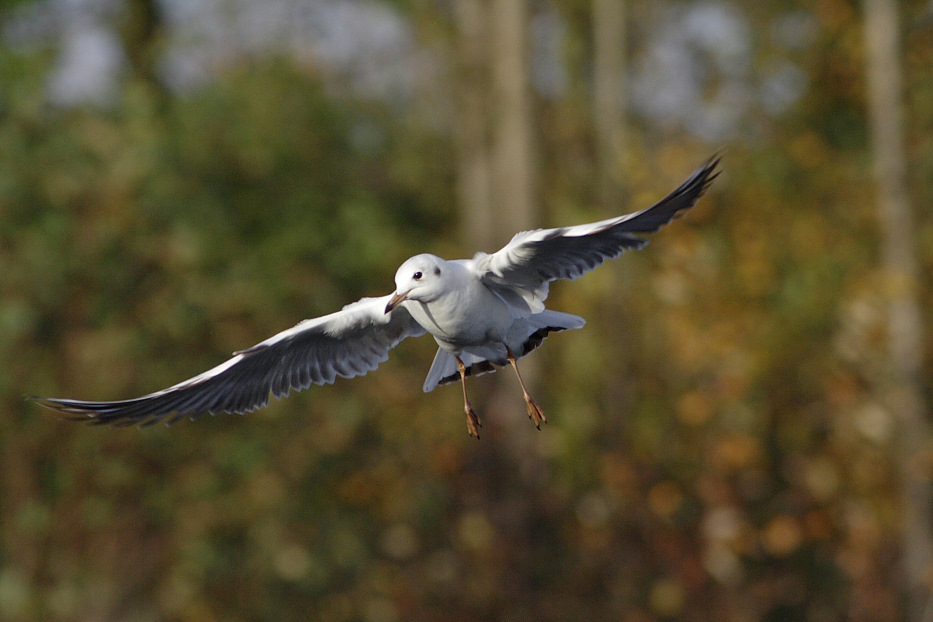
(718, 445)
(141, 27)
(513, 152)
(609, 98)
(471, 132)
(903, 385)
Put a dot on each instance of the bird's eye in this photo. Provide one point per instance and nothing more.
(417, 276)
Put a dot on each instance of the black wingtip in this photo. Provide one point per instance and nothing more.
(45, 402)
(67, 413)
(698, 183)
(681, 199)
(62, 407)
(706, 173)
(711, 166)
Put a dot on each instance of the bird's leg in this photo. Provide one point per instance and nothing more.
(534, 411)
(473, 424)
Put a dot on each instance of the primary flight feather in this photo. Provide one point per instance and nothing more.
(483, 312)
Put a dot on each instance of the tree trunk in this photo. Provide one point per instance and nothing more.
(473, 160)
(140, 31)
(513, 157)
(609, 99)
(609, 96)
(899, 263)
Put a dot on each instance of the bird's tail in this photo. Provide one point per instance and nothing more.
(525, 335)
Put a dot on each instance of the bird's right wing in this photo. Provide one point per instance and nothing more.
(348, 343)
(532, 259)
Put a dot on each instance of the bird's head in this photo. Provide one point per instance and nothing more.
(419, 279)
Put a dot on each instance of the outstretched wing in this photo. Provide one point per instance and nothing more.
(532, 259)
(351, 342)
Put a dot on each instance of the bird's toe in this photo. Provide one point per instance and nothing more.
(473, 423)
(534, 412)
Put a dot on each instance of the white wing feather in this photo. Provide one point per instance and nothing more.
(348, 343)
(532, 259)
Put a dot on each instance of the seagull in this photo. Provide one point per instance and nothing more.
(484, 312)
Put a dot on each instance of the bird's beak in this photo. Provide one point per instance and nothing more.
(396, 300)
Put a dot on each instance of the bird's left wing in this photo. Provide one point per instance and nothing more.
(532, 259)
(348, 343)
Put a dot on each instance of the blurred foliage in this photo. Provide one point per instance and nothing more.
(715, 450)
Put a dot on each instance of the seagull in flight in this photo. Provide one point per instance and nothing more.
(483, 312)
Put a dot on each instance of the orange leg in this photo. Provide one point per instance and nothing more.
(473, 424)
(534, 411)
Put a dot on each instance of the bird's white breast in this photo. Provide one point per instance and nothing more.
(467, 314)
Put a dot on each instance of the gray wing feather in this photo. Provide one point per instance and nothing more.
(532, 259)
(351, 342)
